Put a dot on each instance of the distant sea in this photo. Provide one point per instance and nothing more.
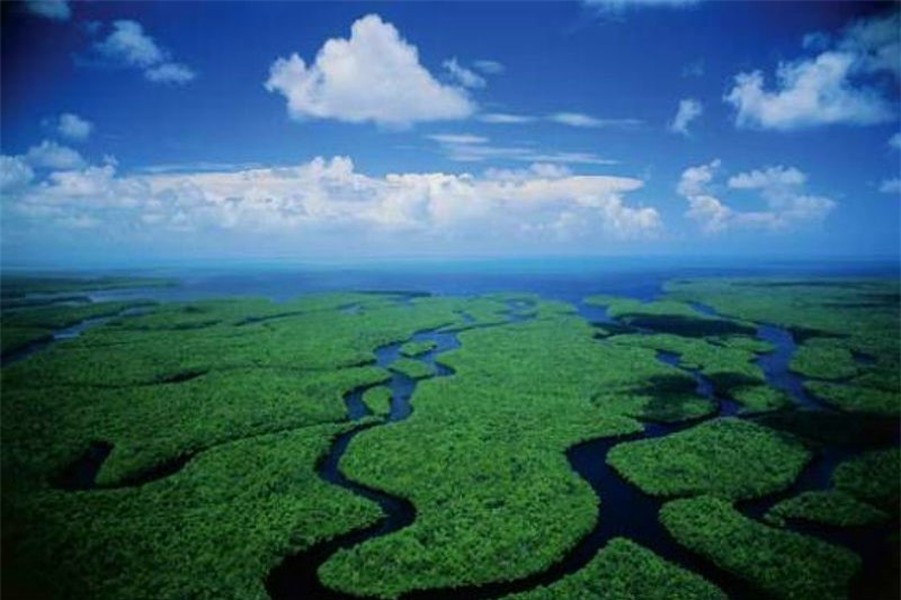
(564, 279)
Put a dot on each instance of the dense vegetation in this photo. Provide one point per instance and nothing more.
(213, 530)
(783, 563)
(873, 477)
(413, 369)
(727, 457)
(23, 327)
(482, 458)
(837, 322)
(378, 400)
(830, 507)
(417, 348)
(857, 398)
(192, 399)
(668, 316)
(624, 570)
(18, 287)
(727, 361)
(215, 413)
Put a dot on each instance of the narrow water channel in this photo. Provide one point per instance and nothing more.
(66, 333)
(624, 510)
(296, 576)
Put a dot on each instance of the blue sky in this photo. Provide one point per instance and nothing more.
(140, 132)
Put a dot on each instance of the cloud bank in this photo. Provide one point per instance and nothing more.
(688, 111)
(839, 85)
(780, 188)
(329, 196)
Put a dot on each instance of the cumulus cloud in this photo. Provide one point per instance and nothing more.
(895, 141)
(74, 127)
(328, 195)
(836, 86)
(688, 111)
(781, 189)
(50, 155)
(768, 179)
(891, 186)
(128, 45)
(15, 173)
(545, 170)
(375, 75)
(57, 10)
(464, 76)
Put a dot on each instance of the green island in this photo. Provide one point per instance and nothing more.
(727, 361)
(182, 428)
(830, 507)
(412, 368)
(872, 477)
(726, 457)
(782, 563)
(411, 349)
(836, 322)
(378, 400)
(624, 570)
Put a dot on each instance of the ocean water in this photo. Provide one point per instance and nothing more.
(562, 279)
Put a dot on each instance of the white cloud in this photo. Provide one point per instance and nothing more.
(327, 195)
(781, 189)
(57, 10)
(581, 120)
(571, 119)
(169, 73)
(623, 4)
(505, 118)
(688, 111)
(829, 88)
(489, 67)
(544, 170)
(768, 179)
(457, 138)
(817, 40)
(462, 75)
(74, 127)
(575, 119)
(130, 46)
(891, 186)
(375, 75)
(875, 43)
(14, 173)
(50, 155)
(895, 141)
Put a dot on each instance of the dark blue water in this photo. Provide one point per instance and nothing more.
(567, 279)
(775, 366)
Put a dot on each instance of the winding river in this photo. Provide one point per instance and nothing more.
(625, 510)
(296, 576)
